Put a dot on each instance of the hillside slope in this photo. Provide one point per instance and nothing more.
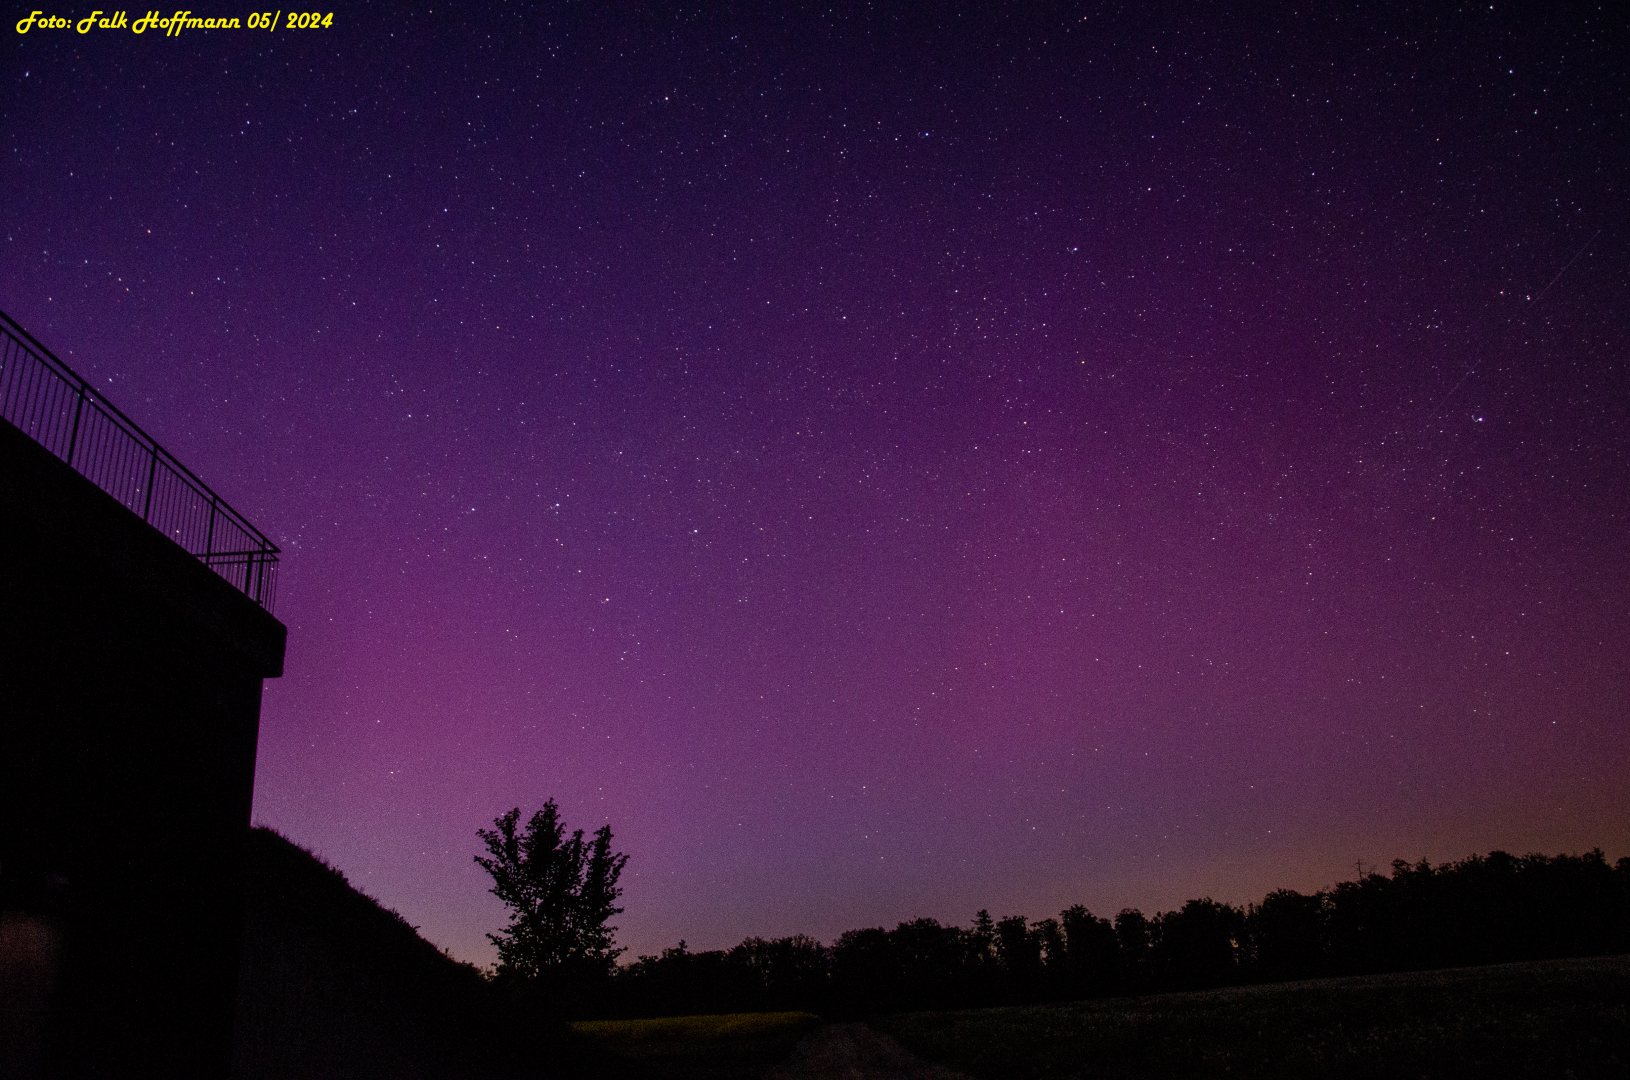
(334, 985)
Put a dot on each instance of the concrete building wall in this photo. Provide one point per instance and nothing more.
(130, 683)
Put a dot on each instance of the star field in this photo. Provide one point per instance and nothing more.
(884, 465)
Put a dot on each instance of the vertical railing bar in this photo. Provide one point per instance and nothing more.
(152, 472)
(209, 533)
(73, 438)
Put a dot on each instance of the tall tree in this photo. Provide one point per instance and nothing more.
(561, 893)
(1094, 960)
(1133, 934)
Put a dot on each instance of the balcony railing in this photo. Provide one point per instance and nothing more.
(62, 412)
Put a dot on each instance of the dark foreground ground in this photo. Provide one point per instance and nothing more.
(736, 1046)
(1568, 1019)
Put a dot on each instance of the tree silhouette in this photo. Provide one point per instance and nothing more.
(561, 894)
(782, 974)
(1018, 947)
(1496, 908)
(1288, 934)
(1135, 937)
(1199, 944)
(1093, 956)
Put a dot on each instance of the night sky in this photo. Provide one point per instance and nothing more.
(883, 465)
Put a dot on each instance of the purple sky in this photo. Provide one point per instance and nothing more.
(883, 467)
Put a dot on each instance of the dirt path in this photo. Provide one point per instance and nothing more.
(856, 1052)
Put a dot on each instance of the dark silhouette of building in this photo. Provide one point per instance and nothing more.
(134, 638)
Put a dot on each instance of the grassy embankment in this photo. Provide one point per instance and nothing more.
(738, 1046)
(1557, 1018)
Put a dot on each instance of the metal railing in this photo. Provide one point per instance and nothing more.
(42, 396)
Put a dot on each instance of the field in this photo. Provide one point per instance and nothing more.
(738, 1046)
(1563, 1018)
(1568, 1019)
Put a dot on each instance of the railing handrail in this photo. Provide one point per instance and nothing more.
(258, 585)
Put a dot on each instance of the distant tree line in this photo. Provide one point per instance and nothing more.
(1482, 910)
